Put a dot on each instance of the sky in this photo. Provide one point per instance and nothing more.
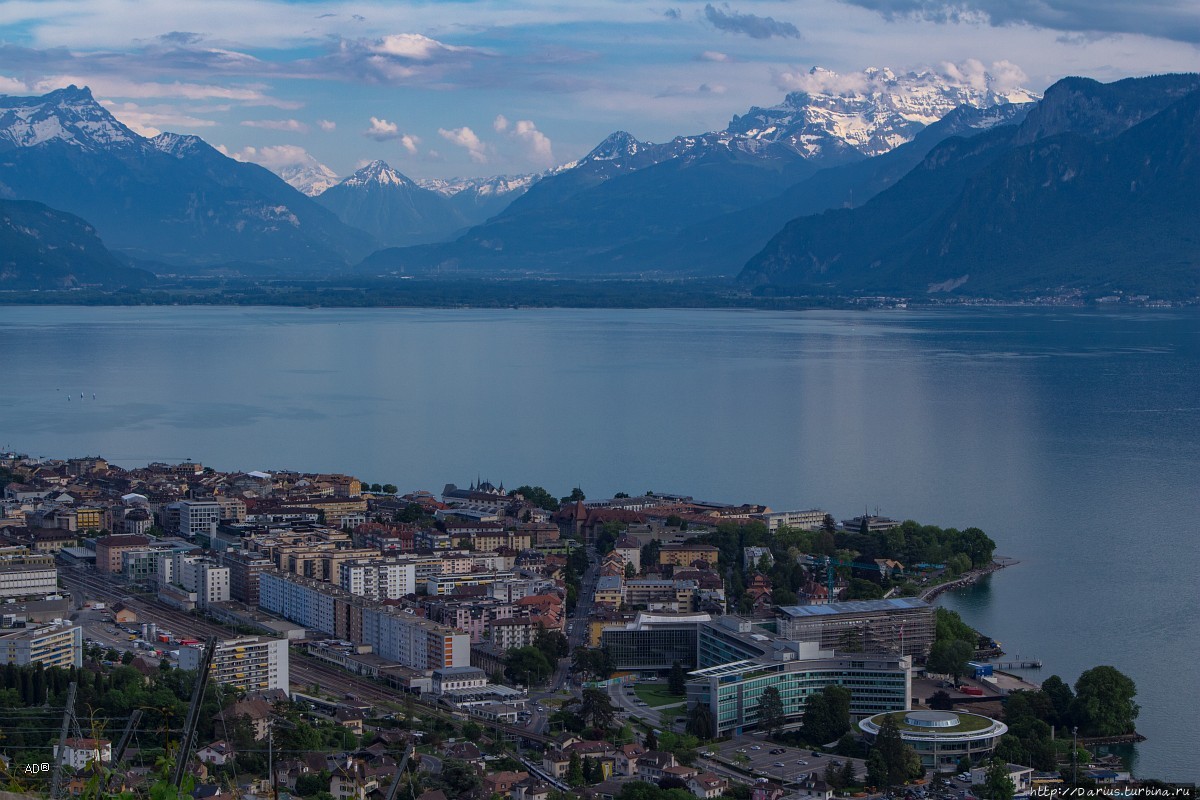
(488, 87)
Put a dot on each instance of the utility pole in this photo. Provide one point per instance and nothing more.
(119, 751)
(193, 717)
(271, 757)
(68, 715)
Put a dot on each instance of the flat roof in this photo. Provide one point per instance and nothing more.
(855, 607)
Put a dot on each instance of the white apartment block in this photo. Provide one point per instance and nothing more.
(512, 632)
(78, 753)
(413, 641)
(458, 679)
(202, 575)
(55, 645)
(378, 579)
(808, 520)
(251, 663)
(20, 580)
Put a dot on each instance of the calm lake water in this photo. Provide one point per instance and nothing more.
(1071, 437)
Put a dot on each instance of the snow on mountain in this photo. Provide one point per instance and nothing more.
(870, 112)
(310, 177)
(378, 172)
(178, 145)
(67, 115)
(493, 186)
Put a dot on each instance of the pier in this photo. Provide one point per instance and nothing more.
(1032, 663)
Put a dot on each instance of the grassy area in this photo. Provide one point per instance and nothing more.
(967, 723)
(656, 694)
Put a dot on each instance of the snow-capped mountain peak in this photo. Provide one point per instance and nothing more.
(310, 177)
(378, 172)
(493, 186)
(177, 144)
(69, 115)
(870, 112)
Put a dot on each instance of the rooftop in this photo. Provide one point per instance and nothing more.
(854, 607)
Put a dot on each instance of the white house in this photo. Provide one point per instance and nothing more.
(78, 753)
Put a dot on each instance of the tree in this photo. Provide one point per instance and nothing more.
(127, 657)
(861, 589)
(890, 744)
(677, 680)
(651, 740)
(553, 643)
(576, 496)
(389, 488)
(877, 769)
(700, 722)
(538, 496)
(998, 784)
(1103, 704)
(950, 657)
(826, 715)
(847, 777)
(309, 783)
(459, 776)
(832, 776)
(575, 775)
(770, 710)
(630, 572)
(528, 665)
(1061, 697)
(596, 708)
(941, 701)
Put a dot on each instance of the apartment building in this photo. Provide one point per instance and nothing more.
(250, 663)
(378, 578)
(110, 548)
(54, 645)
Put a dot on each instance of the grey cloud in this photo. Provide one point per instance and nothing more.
(180, 37)
(672, 13)
(1178, 20)
(754, 26)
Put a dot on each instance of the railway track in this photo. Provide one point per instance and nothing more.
(303, 671)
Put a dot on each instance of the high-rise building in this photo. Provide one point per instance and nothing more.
(903, 625)
(251, 663)
(55, 645)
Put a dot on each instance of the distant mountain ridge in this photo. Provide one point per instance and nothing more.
(41, 248)
(1096, 190)
(587, 215)
(171, 199)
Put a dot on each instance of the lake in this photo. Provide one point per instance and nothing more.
(1071, 436)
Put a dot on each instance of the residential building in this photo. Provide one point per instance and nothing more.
(250, 663)
(78, 753)
(458, 679)
(438, 585)
(707, 784)
(202, 575)
(378, 578)
(505, 634)
(110, 548)
(873, 524)
(685, 555)
(244, 570)
(54, 645)
(630, 552)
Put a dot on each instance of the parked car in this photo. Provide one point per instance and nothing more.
(780, 764)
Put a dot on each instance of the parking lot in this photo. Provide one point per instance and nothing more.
(778, 762)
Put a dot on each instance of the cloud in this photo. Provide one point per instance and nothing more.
(465, 137)
(292, 125)
(396, 58)
(410, 143)
(12, 86)
(112, 86)
(500, 123)
(153, 120)
(326, 125)
(537, 144)
(673, 13)
(714, 55)
(273, 156)
(752, 25)
(381, 130)
(1178, 20)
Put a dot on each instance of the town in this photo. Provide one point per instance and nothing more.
(177, 630)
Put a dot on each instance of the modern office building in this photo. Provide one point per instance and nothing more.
(54, 645)
(251, 663)
(198, 518)
(26, 574)
(941, 738)
(901, 625)
(439, 585)
(654, 641)
(732, 691)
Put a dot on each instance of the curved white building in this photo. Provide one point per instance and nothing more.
(941, 738)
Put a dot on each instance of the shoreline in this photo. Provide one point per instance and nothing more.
(967, 578)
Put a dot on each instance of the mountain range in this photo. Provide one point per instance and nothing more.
(868, 183)
(1097, 190)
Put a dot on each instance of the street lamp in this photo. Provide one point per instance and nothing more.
(1074, 754)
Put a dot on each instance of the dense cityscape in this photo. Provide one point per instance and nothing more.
(339, 638)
